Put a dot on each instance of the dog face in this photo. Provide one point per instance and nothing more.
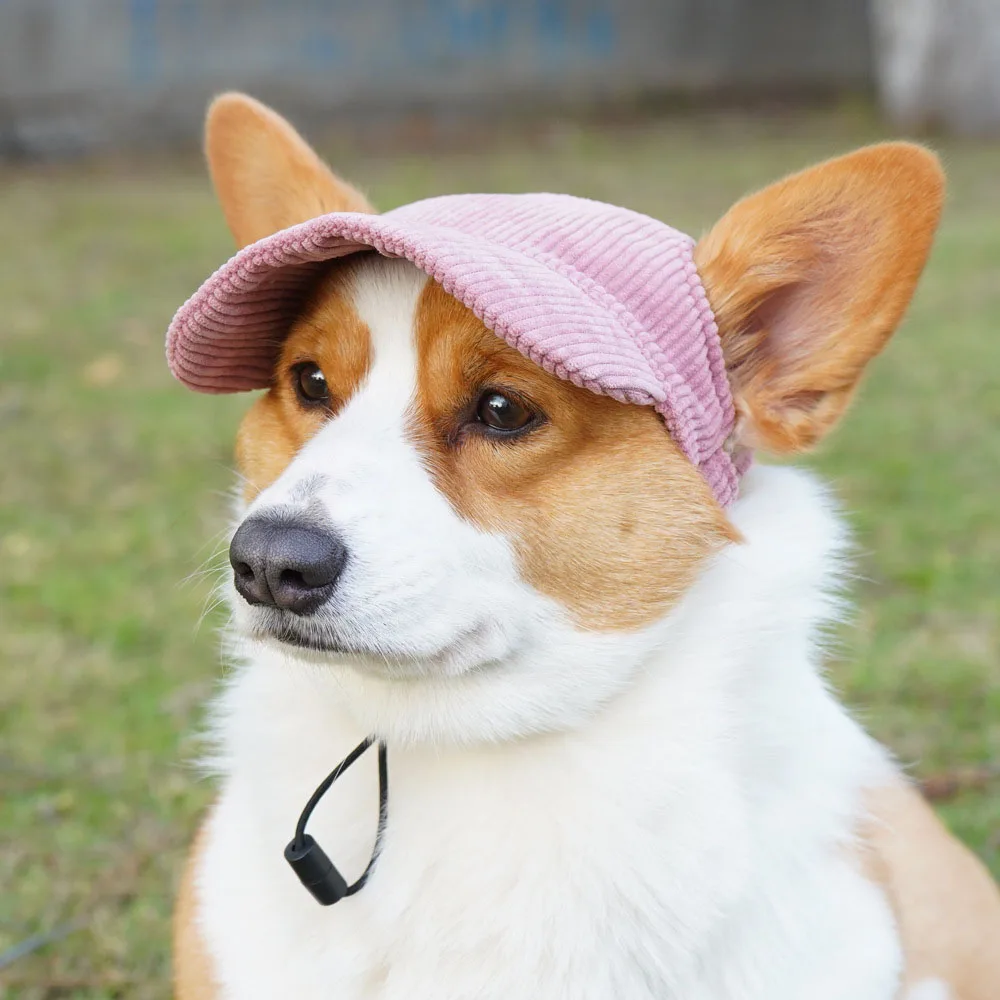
(425, 502)
(471, 493)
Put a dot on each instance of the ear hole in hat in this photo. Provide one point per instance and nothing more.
(266, 176)
(809, 278)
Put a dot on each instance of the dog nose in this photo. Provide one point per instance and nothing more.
(285, 564)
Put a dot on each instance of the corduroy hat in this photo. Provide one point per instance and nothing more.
(604, 297)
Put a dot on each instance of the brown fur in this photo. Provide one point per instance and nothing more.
(194, 976)
(808, 279)
(946, 904)
(265, 175)
(330, 333)
(605, 513)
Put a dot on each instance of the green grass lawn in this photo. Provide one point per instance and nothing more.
(113, 494)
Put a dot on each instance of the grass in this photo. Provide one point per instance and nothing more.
(114, 480)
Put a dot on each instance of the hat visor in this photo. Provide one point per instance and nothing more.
(227, 337)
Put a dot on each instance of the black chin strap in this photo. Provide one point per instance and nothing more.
(309, 861)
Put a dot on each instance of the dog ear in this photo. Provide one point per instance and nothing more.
(808, 279)
(266, 175)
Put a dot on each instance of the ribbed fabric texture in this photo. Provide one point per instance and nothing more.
(599, 295)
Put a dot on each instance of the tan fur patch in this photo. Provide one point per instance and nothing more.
(946, 904)
(809, 278)
(330, 333)
(266, 175)
(605, 513)
(194, 974)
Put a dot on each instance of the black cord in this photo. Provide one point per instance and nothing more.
(314, 869)
(325, 785)
(383, 817)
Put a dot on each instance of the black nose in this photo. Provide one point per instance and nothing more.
(285, 564)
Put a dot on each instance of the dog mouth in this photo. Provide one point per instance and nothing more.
(472, 648)
(286, 631)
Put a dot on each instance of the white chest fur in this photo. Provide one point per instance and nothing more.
(692, 841)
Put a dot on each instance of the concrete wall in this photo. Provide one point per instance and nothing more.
(83, 73)
(939, 63)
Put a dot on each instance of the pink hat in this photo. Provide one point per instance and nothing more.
(602, 296)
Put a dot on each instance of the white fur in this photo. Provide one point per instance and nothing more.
(930, 989)
(665, 814)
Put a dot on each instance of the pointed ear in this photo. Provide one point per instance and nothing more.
(266, 175)
(808, 279)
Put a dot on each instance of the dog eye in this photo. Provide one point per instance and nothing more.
(502, 412)
(310, 384)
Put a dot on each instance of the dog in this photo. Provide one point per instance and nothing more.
(499, 516)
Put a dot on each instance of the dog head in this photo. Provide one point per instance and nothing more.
(438, 517)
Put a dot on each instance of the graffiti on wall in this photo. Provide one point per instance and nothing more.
(168, 39)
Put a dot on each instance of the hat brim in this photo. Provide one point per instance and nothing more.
(228, 335)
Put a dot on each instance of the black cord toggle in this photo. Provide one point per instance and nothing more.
(310, 862)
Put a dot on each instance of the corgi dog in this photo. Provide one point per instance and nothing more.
(499, 517)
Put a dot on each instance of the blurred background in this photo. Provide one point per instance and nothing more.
(113, 489)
